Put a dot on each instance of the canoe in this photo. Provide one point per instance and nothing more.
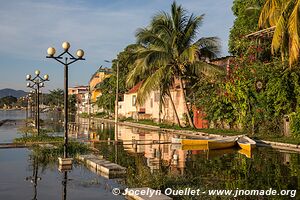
(222, 143)
(191, 142)
(246, 143)
(194, 147)
(212, 143)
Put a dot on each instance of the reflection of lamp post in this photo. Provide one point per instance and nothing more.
(65, 55)
(34, 178)
(64, 184)
(116, 102)
(38, 82)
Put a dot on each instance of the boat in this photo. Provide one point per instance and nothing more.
(212, 143)
(245, 152)
(222, 143)
(191, 142)
(246, 143)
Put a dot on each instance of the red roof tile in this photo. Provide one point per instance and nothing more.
(135, 88)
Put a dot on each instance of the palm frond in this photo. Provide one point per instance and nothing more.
(209, 47)
(150, 84)
(201, 68)
(293, 29)
(270, 13)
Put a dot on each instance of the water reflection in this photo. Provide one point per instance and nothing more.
(152, 162)
(34, 178)
(64, 185)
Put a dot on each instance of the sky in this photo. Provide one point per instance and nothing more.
(101, 28)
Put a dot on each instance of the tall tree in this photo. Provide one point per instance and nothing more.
(169, 50)
(284, 14)
(247, 15)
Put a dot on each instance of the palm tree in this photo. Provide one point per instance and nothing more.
(168, 51)
(284, 14)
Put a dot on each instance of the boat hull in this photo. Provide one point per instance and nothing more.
(247, 147)
(191, 142)
(220, 144)
(211, 143)
(246, 143)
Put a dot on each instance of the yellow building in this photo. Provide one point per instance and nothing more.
(98, 77)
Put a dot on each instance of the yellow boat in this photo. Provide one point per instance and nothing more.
(222, 143)
(246, 143)
(192, 142)
(211, 143)
(194, 147)
(245, 152)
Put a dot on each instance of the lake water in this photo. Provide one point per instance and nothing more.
(158, 166)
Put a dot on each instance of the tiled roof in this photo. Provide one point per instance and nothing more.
(135, 88)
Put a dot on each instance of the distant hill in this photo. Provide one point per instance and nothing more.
(11, 92)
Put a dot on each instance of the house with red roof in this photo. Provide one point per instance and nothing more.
(150, 109)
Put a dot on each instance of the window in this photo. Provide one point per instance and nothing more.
(156, 97)
(133, 100)
(151, 103)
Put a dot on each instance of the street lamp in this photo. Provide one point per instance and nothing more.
(36, 83)
(68, 59)
(116, 102)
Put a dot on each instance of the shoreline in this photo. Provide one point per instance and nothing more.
(259, 142)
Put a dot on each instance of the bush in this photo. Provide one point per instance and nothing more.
(295, 124)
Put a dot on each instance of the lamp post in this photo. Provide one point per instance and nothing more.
(116, 101)
(37, 83)
(68, 59)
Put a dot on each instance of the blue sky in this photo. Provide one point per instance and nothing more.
(101, 28)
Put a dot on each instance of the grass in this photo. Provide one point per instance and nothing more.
(33, 130)
(277, 138)
(46, 155)
(39, 138)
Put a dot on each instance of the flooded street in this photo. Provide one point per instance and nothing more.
(158, 165)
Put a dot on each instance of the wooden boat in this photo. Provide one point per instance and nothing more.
(222, 143)
(211, 143)
(194, 147)
(191, 142)
(246, 143)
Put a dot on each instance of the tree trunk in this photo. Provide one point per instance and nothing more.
(185, 104)
(160, 106)
(174, 108)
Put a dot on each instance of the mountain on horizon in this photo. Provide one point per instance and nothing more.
(11, 92)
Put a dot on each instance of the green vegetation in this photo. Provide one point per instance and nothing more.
(84, 115)
(204, 171)
(247, 15)
(284, 15)
(256, 93)
(50, 154)
(108, 86)
(33, 130)
(39, 138)
(8, 101)
(169, 50)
